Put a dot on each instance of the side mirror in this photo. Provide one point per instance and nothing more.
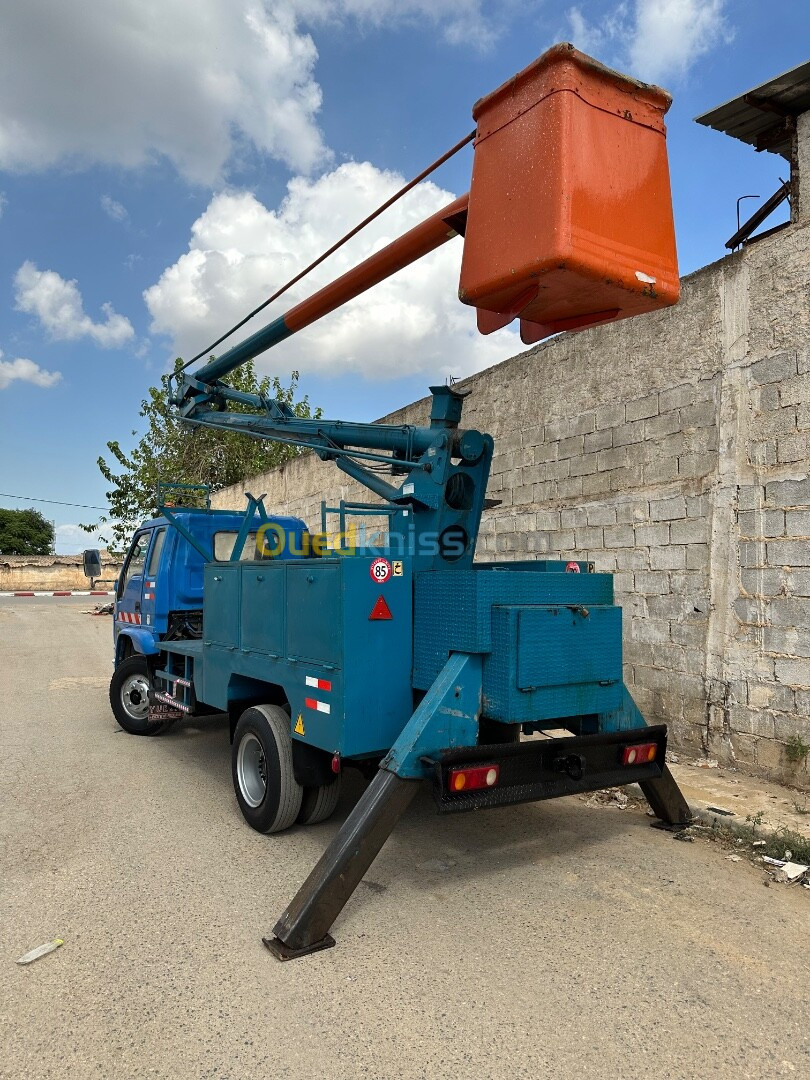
(91, 559)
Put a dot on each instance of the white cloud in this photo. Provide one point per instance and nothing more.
(72, 539)
(25, 371)
(655, 40)
(240, 251)
(114, 209)
(58, 306)
(129, 83)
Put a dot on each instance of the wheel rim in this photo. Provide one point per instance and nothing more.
(135, 697)
(251, 770)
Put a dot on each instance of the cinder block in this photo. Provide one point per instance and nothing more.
(788, 725)
(798, 582)
(753, 554)
(609, 416)
(589, 538)
(763, 582)
(668, 509)
(788, 493)
(583, 466)
(703, 414)
(795, 391)
(632, 559)
(791, 641)
(659, 426)
(629, 433)
(574, 518)
(748, 721)
(653, 535)
(544, 452)
(793, 672)
(764, 695)
(601, 515)
(676, 397)
(561, 541)
(788, 553)
(689, 633)
(596, 483)
(691, 466)
(570, 447)
(625, 479)
(554, 430)
(662, 470)
(698, 505)
(598, 440)
(690, 531)
(642, 408)
(651, 583)
(583, 423)
(750, 498)
(697, 557)
(548, 520)
(790, 448)
(651, 631)
(763, 453)
(774, 368)
(798, 523)
(619, 536)
(769, 425)
(668, 558)
(611, 459)
(759, 523)
(790, 611)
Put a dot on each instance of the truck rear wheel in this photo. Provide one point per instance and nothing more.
(129, 690)
(268, 794)
(319, 803)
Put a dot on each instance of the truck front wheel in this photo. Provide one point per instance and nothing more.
(268, 794)
(129, 690)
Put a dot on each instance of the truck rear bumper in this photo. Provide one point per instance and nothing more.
(547, 768)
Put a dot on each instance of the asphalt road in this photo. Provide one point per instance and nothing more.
(553, 940)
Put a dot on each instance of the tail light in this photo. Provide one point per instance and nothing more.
(639, 754)
(474, 779)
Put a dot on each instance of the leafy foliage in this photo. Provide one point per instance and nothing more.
(173, 452)
(25, 532)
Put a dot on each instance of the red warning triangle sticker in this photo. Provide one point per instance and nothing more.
(381, 610)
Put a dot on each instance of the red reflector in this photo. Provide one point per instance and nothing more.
(381, 610)
(336, 763)
(639, 754)
(481, 776)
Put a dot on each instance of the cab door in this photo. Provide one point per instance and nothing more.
(153, 583)
(130, 584)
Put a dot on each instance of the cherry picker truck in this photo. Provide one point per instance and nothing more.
(410, 659)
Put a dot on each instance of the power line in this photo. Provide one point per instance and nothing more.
(55, 502)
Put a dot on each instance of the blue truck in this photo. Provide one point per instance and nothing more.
(390, 648)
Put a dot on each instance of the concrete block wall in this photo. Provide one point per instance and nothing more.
(672, 450)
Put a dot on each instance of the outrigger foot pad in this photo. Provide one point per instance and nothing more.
(284, 952)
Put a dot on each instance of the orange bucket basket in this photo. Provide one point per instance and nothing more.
(570, 211)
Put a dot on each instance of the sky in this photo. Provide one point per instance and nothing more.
(165, 165)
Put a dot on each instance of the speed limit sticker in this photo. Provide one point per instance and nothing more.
(380, 570)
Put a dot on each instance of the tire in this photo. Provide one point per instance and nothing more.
(128, 689)
(268, 794)
(319, 803)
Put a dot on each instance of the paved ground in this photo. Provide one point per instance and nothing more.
(556, 940)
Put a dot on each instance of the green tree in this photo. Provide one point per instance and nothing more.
(173, 452)
(25, 532)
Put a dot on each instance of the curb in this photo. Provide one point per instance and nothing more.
(77, 592)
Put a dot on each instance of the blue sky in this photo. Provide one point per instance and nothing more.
(164, 165)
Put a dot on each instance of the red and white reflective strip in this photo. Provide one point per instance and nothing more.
(318, 684)
(72, 592)
(318, 706)
(129, 617)
(149, 596)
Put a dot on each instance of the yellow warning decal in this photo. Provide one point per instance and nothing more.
(299, 725)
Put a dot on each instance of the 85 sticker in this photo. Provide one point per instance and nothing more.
(380, 570)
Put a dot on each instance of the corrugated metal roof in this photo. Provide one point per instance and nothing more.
(765, 116)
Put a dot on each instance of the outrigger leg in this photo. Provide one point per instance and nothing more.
(446, 716)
